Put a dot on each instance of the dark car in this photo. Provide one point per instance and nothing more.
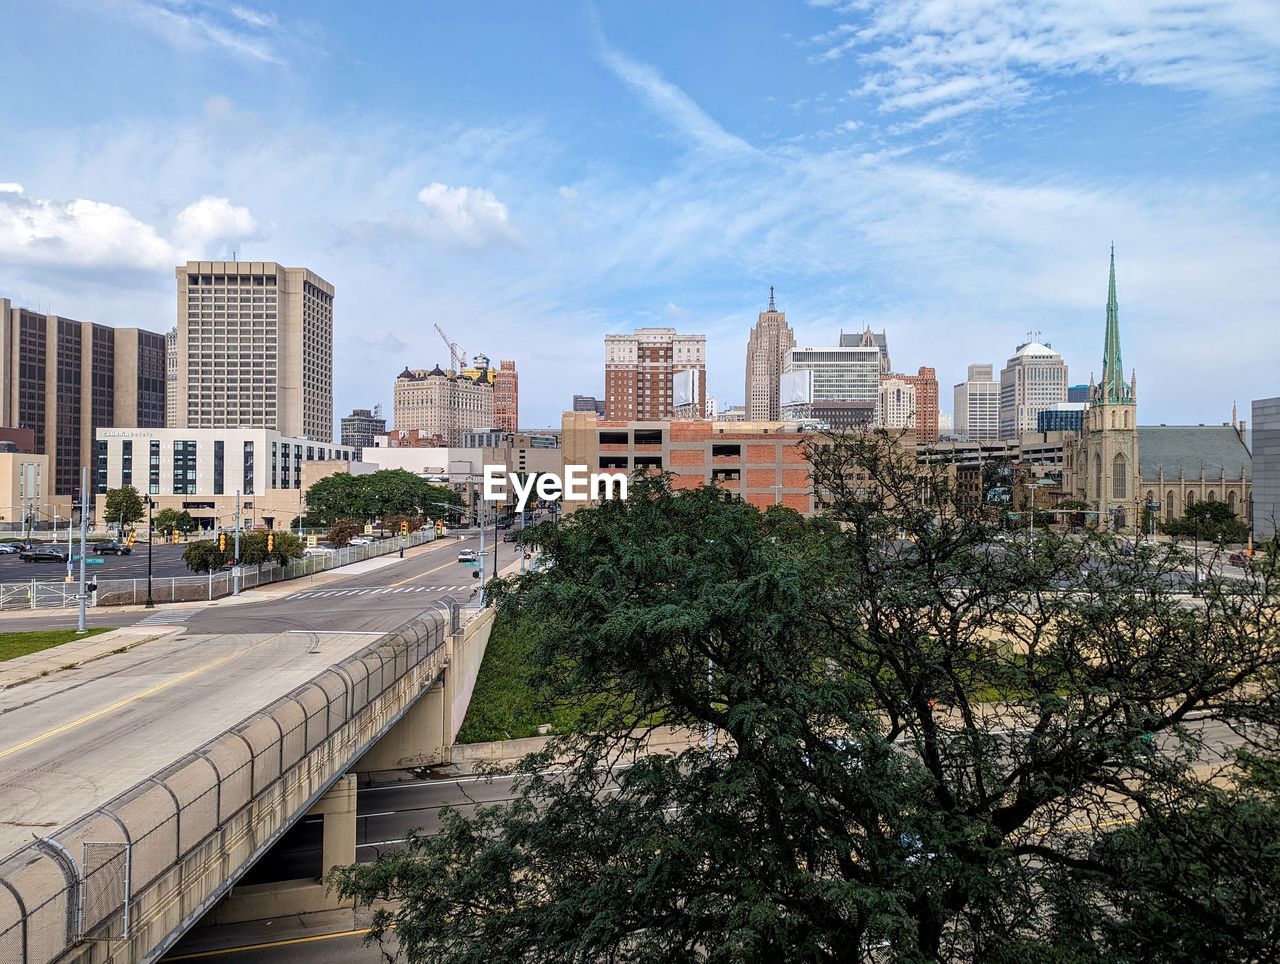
(112, 548)
(509, 537)
(43, 554)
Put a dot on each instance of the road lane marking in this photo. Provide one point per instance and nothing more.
(265, 945)
(41, 737)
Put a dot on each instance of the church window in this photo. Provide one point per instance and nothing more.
(1119, 482)
(1097, 476)
(1231, 502)
(1126, 420)
(1170, 504)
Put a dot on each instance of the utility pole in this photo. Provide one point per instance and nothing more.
(495, 541)
(235, 569)
(84, 531)
(480, 517)
(150, 544)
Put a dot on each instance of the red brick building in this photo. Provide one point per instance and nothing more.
(506, 397)
(638, 370)
(926, 383)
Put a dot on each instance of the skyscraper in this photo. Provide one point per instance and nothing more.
(848, 373)
(442, 403)
(171, 378)
(1034, 378)
(977, 405)
(767, 348)
(638, 370)
(925, 381)
(64, 379)
(361, 427)
(869, 339)
(255, 348)
(897, 403)
(588, 403)
(506, 397)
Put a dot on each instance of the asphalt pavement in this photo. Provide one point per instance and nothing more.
(166, 562)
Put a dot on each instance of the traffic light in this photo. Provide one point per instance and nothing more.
(175, 537)
(404, 527)
(439, 527)
(222, 542)
(271, 542)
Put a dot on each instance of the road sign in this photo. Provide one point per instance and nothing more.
(312, 541)
(368, 528)
(472, 565)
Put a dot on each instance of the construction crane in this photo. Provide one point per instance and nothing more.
(457, 357)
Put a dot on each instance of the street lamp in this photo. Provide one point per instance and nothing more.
(150, 545)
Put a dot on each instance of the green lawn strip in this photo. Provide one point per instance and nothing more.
(13, 645)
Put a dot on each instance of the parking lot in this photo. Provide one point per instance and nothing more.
(167, 561)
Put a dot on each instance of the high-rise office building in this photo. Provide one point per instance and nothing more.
(255, 348)
(869, 339)
(506, 397)
(1266, 467)
(171, 378)
(442, 403)
(767, 348)
(64, 379)
(977, 405)
(925, 382)
(1034, 378)
(362, 426)
(1078, 393)
(588, 403)
(897, 403)
(638, 372)
(848, 373)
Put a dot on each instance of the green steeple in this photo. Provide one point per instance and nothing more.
(1113, 388)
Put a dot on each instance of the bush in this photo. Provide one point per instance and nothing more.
(205, 556)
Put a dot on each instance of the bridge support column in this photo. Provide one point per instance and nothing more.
(338, 807)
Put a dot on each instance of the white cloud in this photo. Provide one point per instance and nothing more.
(197, 23)
(10, 187)
(943, 58)
(203, 226)
(470, 216)
(79, 233)
(671, 103)
(85, 233)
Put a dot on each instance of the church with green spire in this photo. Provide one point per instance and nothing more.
(1106, 467)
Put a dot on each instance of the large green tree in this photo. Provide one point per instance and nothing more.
(377, 496)
(1209, 521)
(166, 520)
(123, 506)
(921, 740)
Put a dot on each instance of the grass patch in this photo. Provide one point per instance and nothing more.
(13, 645)
(504, 704)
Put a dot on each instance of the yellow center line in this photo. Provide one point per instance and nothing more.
(41, 737)
(266, 945)
(421, 575)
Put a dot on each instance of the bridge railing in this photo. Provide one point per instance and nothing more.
(120, 882)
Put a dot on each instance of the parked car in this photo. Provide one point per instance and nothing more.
(360, 541)
(468, 555)
(112, 548)
(509, 537)
(316, 551)
(43, 554)
(9, 548)
(1238, 559)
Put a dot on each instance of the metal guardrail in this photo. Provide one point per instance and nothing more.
(155, 858)
(125, 592)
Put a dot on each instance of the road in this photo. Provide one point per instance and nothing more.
(71, 741)
(166, 561)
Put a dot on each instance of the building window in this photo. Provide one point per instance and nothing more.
(126, 462)
(184, 467)
(275, 446)
(102, 468)
(284, 466)
(1119, 480)
(297, 466)
(218, 460)
(153, 482)
(248, 468)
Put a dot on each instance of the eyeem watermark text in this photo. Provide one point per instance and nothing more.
(578, 485)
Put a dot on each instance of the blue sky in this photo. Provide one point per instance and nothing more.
(532, 176)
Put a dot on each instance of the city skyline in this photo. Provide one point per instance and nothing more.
(648, 179)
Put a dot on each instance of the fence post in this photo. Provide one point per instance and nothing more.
(33, 594)
(211, 585)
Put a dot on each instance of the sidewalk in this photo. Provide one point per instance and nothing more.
(23, 669)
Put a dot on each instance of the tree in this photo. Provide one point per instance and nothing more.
(123, 506)
(205, 556)
(918, 742)
(392, 523)
(375, 497)
(1209, 521)
(166, 520)
(342, 531)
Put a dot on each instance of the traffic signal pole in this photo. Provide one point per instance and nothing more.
(235, 569)
(84, 532)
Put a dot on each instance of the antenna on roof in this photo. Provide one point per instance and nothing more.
(771, 304)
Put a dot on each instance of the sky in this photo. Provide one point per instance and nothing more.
(534, 176)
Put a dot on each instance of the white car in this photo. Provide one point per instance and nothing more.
(360, 541)
(467, 555)
(316, 551)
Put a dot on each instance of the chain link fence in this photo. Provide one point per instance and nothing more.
(126, 592)
(159, 855)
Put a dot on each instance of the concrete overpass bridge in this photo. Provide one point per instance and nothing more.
(204, 748)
